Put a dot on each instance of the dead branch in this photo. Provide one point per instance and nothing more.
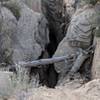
(37, 63)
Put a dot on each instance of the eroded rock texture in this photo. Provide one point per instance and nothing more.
(31, 35)
(79, 36)
(24, 35)
(55, 13)
(8, 25)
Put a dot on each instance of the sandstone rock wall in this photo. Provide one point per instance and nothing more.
(96, 61)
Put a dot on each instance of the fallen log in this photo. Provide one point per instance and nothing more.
(37, 63)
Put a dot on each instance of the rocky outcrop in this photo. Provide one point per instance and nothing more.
(34, 35)
(79, 35)
(31, 36)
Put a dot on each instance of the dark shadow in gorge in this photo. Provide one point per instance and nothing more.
(47, 74)
(51, 48)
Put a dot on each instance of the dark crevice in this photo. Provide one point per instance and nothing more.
(52, 76)
(57, 30)
(47, 74)
(57, 27)
(52, 46)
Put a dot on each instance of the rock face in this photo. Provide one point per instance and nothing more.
(31, 36)
(96, 61)
(8, 24)
(55, 14)
(24, 36)
(79, 35)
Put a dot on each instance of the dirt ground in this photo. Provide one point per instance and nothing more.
(89, 91)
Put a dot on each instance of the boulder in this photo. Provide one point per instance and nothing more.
(8, 24)
(32, 33)
(33, 37)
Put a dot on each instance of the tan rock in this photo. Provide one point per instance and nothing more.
(6, 87)
(96, 61)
